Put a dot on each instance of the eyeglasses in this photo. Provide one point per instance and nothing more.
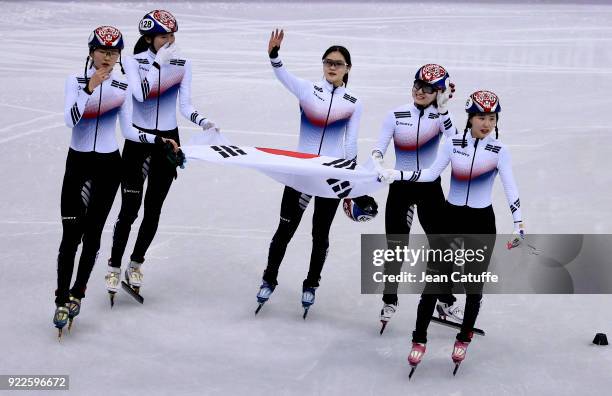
(426, 88)
(111, 54)
(330, 63)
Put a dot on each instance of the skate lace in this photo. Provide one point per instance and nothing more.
(459, 349)
(457, 311)
(61, 314)
(264, 292)
(308, 296)
(388, 310)
(74, 306)
(417, 352)
(135, 274)
(112, 278)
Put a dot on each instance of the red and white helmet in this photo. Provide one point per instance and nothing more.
(157, 22)
(482, 102)
(432, 74)
(108, 37)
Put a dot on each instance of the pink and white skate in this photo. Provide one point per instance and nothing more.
(416, 354)
(459, 351)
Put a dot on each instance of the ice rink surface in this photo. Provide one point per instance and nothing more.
(196, 334)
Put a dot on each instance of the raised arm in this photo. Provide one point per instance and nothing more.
(295, 85)
(446, 123)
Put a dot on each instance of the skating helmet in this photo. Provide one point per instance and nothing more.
(106, 37)
(432, 74)
(482, 102)
(158, 22)
(360, 209)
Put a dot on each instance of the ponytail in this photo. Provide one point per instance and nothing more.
(141, 45)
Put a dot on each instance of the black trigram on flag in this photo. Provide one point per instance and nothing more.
(342, 163)
(341, 188)
(228, 151)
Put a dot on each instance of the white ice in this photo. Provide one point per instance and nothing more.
(196, 333)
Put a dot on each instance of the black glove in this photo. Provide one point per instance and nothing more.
(175, 159)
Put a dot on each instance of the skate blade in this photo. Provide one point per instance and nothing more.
(411, 372)
(384, 325)
(132, 291)
(259, 308)
(111, 296)
(70, 325)
(456, 368)
(59, 335)
(455, 325)
(305, 312)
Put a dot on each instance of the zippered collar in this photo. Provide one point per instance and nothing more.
(329, 87)
(417, 109)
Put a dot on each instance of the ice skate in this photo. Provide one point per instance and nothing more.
(60, 319)
(415, 356)
(386, 313)
(112, 280)
(459, 351)
(450, 312)
(74, 308)
(133, 281)
(308, 298)
(265, 291)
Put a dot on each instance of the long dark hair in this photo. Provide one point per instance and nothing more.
(142, 45)
(345, 53)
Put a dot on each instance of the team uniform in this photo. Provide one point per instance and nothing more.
(416, 132)
(92, 172)
(155, 91)
(475, 164)
(329, 126)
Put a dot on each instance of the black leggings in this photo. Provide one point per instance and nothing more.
(399, 211)
(90, 183)
(139, 162)
(476, 227)
(292, 208)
